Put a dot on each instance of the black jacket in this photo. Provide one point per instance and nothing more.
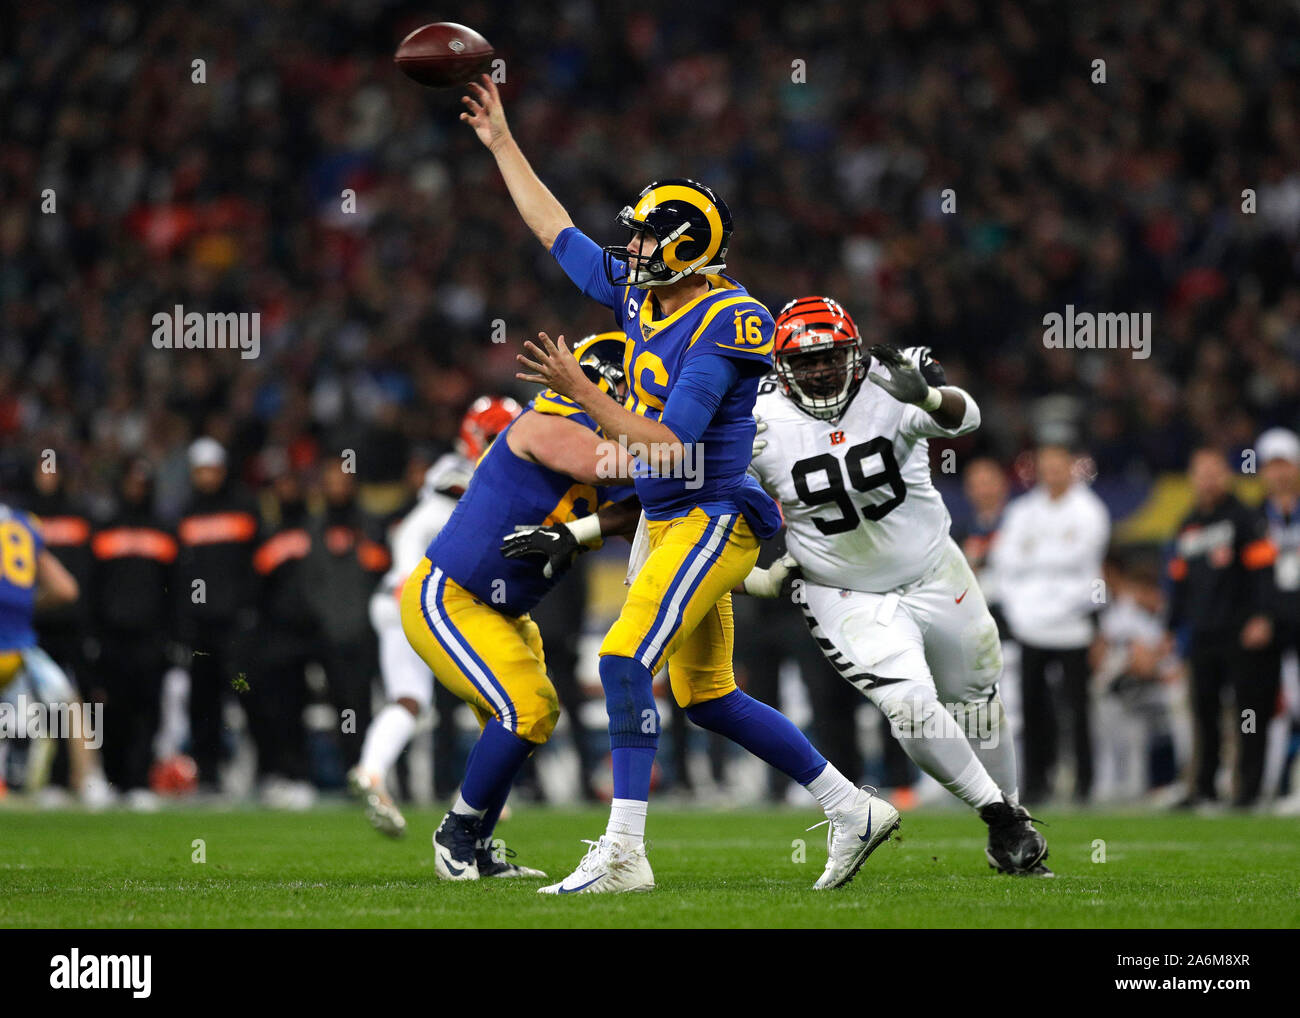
(132, 589)
(66, 527)
(1220, 571)
(280, 563)
(217, 535)
(342, 571)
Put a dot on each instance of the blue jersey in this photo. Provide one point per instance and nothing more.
(507, 491)
(724, 322)
(21, 543)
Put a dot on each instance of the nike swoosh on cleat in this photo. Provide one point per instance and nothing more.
(575, 890)
(867, 836)
(454, 870)
(963, 594)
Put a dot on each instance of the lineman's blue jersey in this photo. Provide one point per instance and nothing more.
(506, 491)
(723, 321)
(20, 548)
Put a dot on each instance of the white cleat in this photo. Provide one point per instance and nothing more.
(854, 834)
(609, 867)
(381, 810)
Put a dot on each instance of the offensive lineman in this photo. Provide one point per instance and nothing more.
(890, 598)
(408, 683)
(464, 608)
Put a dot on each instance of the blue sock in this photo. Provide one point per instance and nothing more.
(632, 769)
(633, 724)
(489, 822)
(763, 731)
(492, 766)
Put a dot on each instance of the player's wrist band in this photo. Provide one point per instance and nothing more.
(586, 530)
(932, 400)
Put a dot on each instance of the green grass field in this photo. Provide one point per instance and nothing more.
(327, 868)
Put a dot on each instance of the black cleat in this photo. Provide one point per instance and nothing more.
(1014, 845)
(455, 855)
(494, 861)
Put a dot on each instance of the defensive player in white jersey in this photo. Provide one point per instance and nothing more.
(889, 595)
(408, 683)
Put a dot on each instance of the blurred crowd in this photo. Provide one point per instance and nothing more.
(831, 129)
(951, 171)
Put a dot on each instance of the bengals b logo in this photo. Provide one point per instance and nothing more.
(837, 437)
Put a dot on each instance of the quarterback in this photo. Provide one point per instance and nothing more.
(697, 345)
(889, 596)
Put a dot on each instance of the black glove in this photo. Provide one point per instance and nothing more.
(555, 544)
(905, 382)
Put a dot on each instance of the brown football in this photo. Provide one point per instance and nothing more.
(443, 55)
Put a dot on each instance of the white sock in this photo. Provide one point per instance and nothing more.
(973, 786)
(627, 820)
(465, 809)
(387, 736)
(935, 741)
(832, 789)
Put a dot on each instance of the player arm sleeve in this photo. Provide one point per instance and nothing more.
(917, 423)
(696, 395)
(583, 262)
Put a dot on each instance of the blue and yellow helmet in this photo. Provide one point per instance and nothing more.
(691, 224)
(601, 358)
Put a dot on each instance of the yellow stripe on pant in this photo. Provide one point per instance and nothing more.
(492, 661)
(679, 606)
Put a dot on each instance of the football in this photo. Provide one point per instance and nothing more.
(443, 55)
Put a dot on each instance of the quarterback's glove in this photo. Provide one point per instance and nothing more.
(771, 582)
(759, 443)
(556, 544)
(905, 383)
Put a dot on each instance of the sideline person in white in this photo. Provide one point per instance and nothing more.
(889, 595)
(1048, 564)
